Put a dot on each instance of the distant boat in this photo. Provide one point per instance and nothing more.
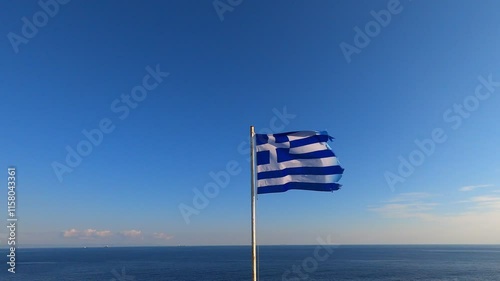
(106, 246)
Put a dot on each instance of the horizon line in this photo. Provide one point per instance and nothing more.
(49, 246)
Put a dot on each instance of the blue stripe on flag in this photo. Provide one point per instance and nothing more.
(330, 170)
(299, 185)
(284, 154)
(309, 140)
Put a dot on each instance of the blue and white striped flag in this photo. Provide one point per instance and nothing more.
(296, 160)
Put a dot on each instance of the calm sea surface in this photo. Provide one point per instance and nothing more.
(294, 263)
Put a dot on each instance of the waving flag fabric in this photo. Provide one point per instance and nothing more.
(296, 160)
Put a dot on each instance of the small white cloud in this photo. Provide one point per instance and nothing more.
(485, 199)
(86, 234)
(104, 233)
(161, 235)
(410, 197)
(408, 205)
(131, 233)
(89, 232)
(406, 210)
(472, 187)
(70, 233)
(486, 202)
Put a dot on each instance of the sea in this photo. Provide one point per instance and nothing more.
(280, 263)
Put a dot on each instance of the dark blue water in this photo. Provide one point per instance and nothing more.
(294, 263)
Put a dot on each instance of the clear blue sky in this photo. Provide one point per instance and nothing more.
(227, 75)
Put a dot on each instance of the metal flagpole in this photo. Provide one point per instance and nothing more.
(252, 171)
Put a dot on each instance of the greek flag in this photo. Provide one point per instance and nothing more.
(296, 160)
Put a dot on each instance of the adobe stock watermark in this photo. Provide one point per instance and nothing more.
(455, 117)
(121, 277)
(310, 264)
(363, 37)
(221, 179)
(30, 27)
(121, 107)
(223, 6)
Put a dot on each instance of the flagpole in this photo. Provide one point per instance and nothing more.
(252, 171)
